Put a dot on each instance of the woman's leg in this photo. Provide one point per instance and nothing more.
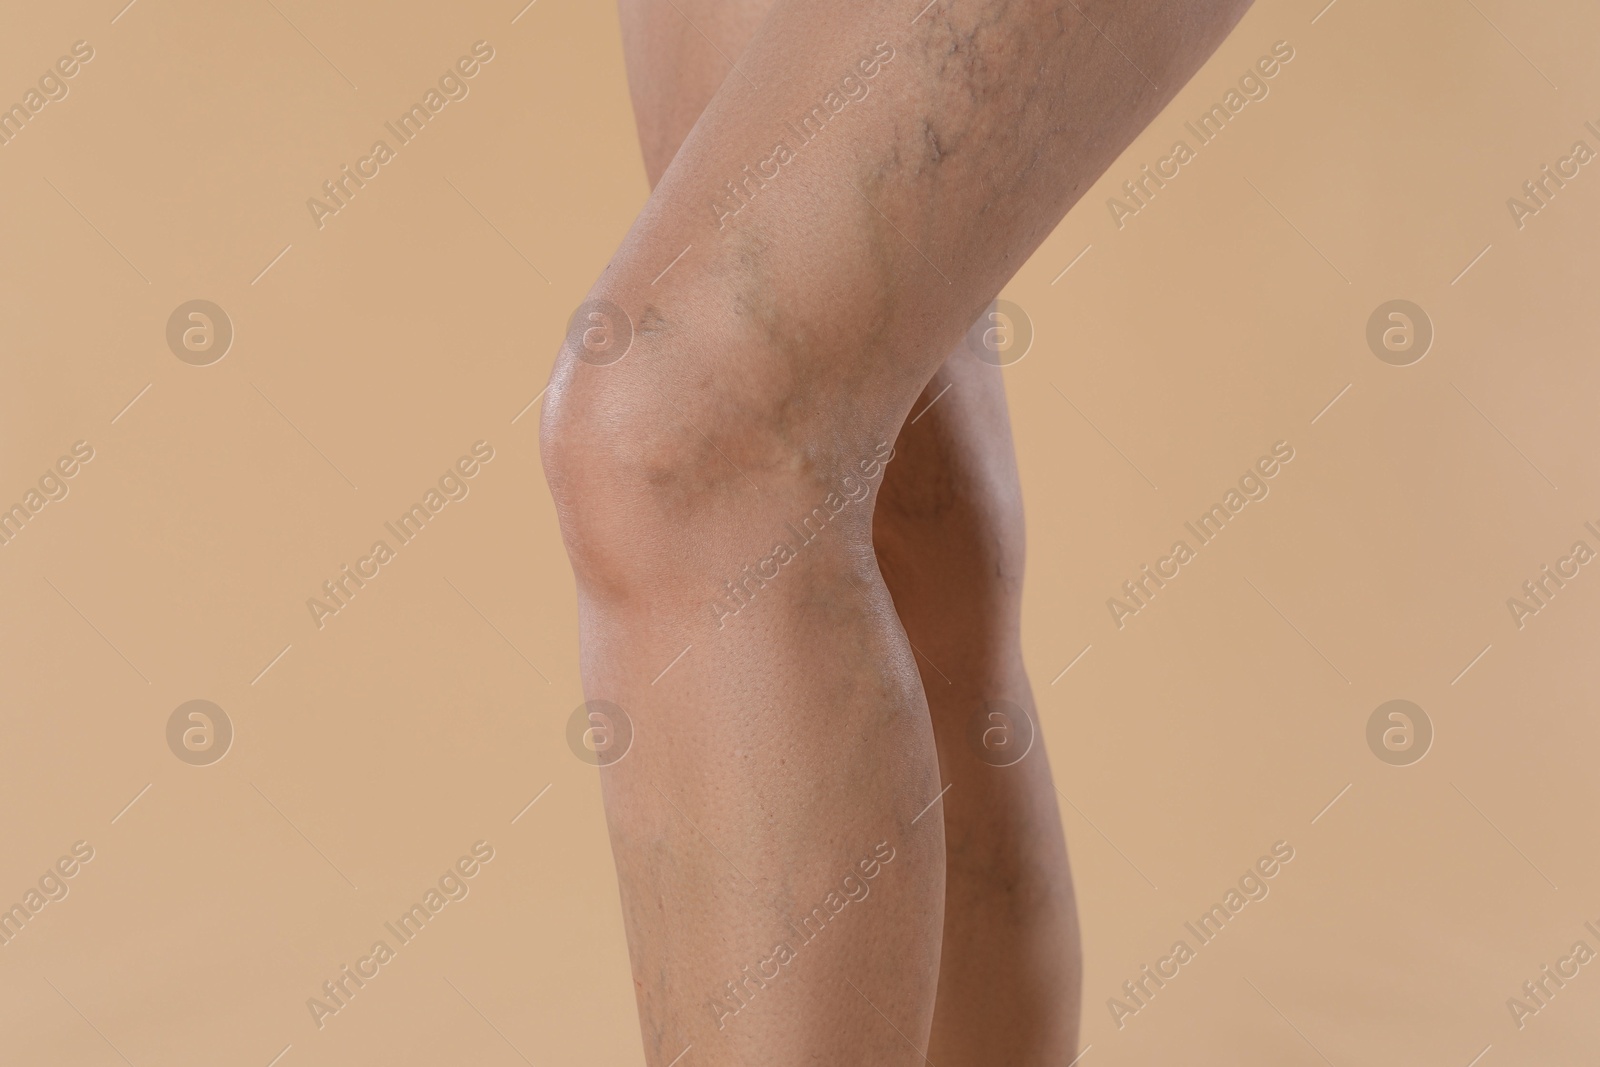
(949, 539)
(847, 204)
(949, 536)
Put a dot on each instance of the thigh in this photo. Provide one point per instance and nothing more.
(677, 53)
(865, 178)
(857, 190)
(950, 504)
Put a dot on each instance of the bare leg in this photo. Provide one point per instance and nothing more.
(949, 539)
(949, 535)
(770, 368)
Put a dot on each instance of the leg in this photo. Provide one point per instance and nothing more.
(674, 69)
(948, 535)
(739, 442)
(677, 54)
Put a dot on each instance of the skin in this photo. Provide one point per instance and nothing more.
(788, 763)
(948, 533)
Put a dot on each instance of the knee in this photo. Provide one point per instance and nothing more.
(689, 453)
(949, 531)
(621, 474)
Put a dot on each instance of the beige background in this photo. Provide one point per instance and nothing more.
(425, 716)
